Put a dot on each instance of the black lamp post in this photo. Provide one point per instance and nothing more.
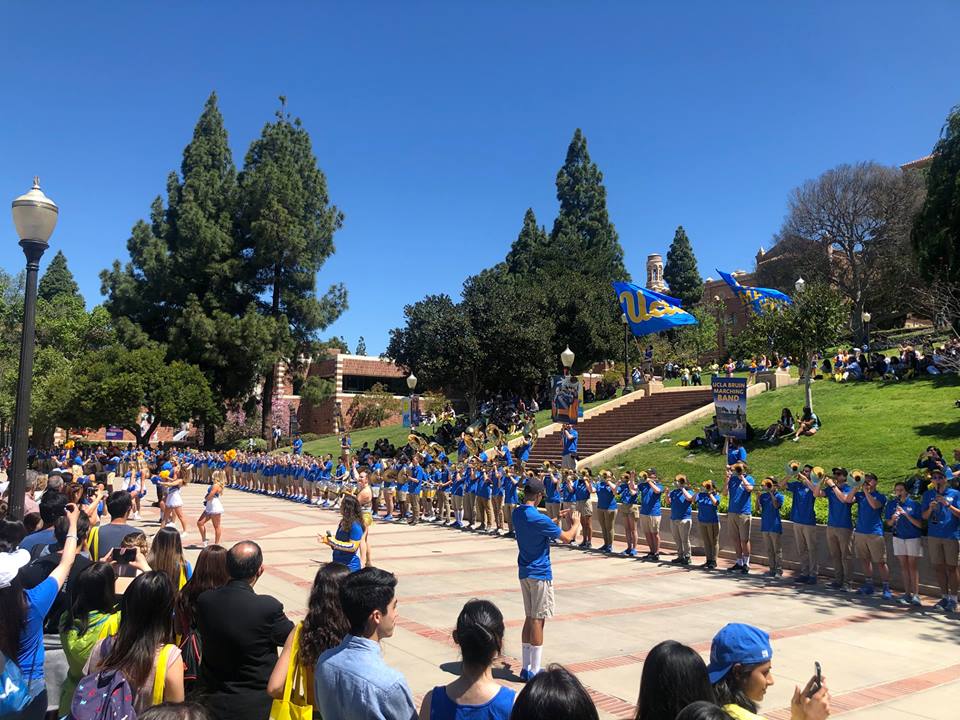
(865, 317)
(412, 384)
(35, 217)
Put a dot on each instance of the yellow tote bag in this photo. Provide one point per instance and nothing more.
(294, 705)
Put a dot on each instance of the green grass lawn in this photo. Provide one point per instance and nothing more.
(396, 434)
(872, 426)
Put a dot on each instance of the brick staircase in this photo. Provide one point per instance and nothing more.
(608, 428)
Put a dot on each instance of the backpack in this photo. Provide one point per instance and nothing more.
(104, 695)
(14, 695)
(191, 650)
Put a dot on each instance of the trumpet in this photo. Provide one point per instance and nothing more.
(707, 485)
(793, 467)
(818, 472)
(858, 475)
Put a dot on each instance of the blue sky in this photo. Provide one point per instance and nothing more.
(438, 124)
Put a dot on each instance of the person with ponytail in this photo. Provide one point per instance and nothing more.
(474, 695)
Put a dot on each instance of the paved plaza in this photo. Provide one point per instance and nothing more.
(882, 662)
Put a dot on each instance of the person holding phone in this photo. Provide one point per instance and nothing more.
(741, 670)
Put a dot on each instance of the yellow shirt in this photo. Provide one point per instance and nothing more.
(739, 713)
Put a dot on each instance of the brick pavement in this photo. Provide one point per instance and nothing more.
(881, 661)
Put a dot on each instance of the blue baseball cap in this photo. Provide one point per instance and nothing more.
(167, 466)
(737, 643)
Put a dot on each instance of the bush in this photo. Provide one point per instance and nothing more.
(373, 407)
(259, 444)
(309, 437)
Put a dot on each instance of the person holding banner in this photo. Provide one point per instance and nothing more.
(739, 508)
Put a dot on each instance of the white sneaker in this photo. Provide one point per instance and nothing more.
(205, 543)
(136, 516)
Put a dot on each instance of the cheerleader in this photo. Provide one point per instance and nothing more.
(136, 488)
(365, 498)
(173, 502)
(212, 511)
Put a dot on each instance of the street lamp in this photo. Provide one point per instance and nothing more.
(865, 317)
(35, 217)
(412, 384)
(800, 284)
(626, 352)
(719, 307)
(566, 357)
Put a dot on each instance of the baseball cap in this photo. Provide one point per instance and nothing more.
(535, 486)
(10, 564)
(737, 643)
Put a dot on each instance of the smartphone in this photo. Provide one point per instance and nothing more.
(124, 555)
(817, 680)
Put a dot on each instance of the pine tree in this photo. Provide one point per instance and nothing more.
(680, 271)
(57, 280)
(525, 253)
(936, 230)
(361, 346)
(286, 228)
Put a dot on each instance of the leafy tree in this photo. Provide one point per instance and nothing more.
(693, 344)
(336, 342)
(185, 284)
(114, 385)
(680, 272)
(286, 229)
(527, 250)
(57, 280)
(439, 345)
(816, 320)
(936, 230)
(373, 407)
(361, 346)
(316, 389)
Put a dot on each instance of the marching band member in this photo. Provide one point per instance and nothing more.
(456, 494)
(498, 475)
(739, 488)
(511, 498)
(681, 519)
(839, 528)
(868, 544)
(771, 526)
(606, 508)
(627, 509)
(551, 481)
(584, 495)
(804, 490)
(708, 502)
(941, 510)
(905, 516)
(484, 500)
(568, 495)
(650, 492)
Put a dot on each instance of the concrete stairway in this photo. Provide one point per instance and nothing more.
(609, 428)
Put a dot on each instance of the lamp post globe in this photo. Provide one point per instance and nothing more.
(566, 358)
(35, 217)
(411, 381)
(800, 284)
(865, 317)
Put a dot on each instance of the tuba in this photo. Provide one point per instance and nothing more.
(436, 449)
(417, 442)
(470, 441)
(495, 434)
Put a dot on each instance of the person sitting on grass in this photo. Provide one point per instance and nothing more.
(781, 428)
(809, 424)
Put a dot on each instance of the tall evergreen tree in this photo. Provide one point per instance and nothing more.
(286, 229)
(185, 285)
(681, 272)
(361, 346)
(936, 229)
(57, 280)
(527, 249)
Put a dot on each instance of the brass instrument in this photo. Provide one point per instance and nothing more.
(417, 442)
(707, 485)
(495, 434)
(471, 443)
(818, 472)
(793, 468)
(436, 449)
(857, 475)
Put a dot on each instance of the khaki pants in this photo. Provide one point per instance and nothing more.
(775, 549)
(805, 536)
(485, 511)
(508, 514)
(553, 510)
(457, 503)
(840, 545)
(469, 508)
(498, 511)
(443, 505)
(681, 536)
(607, 519)
(739, 525)
(414, 506)
(710, 537)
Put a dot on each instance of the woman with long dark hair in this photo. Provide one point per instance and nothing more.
(23, 611)
(166, 556)
(347, 544)
(554, 694)
(475, 695)
(93, 606)
(143, 645)
(323, 628)
(674, 676)
(210, 573)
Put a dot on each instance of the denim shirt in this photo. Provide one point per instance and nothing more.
(352, 682)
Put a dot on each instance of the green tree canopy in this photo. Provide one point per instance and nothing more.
(527, 250)
(57, 280)
(680, 271)
(361, 346)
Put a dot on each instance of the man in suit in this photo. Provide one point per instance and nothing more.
(240, 631)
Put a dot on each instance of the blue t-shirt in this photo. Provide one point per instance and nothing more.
(650, 500)
(40, 537)
(839, 513)
(605, 497)
(523, 452)
(706, 508)
(498, 707)
(510, 485)
(351, 560)
(680, 507)
(801, 512)
(417, 477)
(735, 455)
(534, 532)
(581, 491)
(627, 496)
(552, 486)
(39, 601)
(869, 521)
(770, 513)
(570, 443)
(740, 499)
(568, 491)
(485, 487)
(298, 447)
(903, 528)
(942, 523)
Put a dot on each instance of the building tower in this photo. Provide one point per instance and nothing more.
(655, 273)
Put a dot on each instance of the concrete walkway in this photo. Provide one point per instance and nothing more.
(881, 661)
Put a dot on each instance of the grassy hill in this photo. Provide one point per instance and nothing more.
(396, 434)
(877, 427)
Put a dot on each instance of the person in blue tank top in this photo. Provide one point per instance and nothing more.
(347, 543)
(475, 695)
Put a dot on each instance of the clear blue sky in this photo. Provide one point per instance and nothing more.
(438, 124)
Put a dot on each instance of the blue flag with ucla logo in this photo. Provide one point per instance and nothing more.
(758, 298)
(648, 311)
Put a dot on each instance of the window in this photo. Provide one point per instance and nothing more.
(363, 383)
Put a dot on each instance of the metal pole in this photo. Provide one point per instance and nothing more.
(626, 359)
(21, 423)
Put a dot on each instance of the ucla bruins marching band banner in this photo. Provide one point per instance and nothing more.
(648, 311)
(758, 298)
(730, 405)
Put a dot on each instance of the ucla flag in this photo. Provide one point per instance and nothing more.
(759, 299)
(648, 311)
